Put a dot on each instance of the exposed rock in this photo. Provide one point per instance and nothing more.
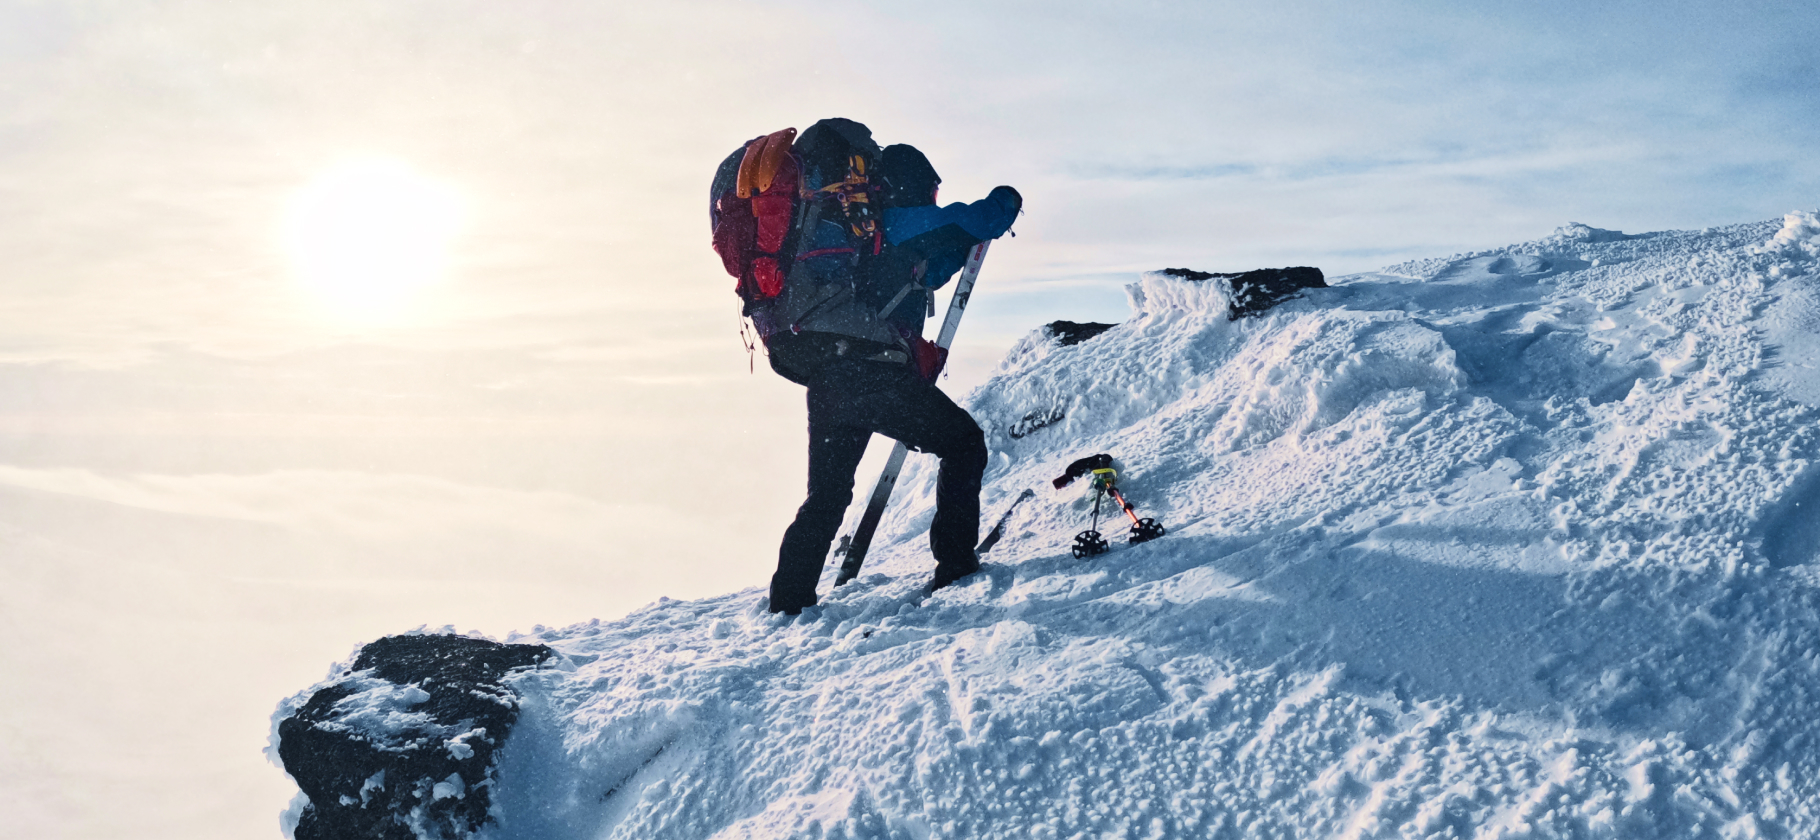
(401, 746)
(1070, 333)
(1253, 292)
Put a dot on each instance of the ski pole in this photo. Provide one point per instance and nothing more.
(1124, 504)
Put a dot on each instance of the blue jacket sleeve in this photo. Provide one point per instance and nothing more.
(943, 267)
(943, 235)
(987, 218)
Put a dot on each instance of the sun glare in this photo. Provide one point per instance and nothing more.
(366, 235)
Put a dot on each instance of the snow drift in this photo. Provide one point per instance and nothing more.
(1517, 543)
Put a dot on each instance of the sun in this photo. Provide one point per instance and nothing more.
(366, 235)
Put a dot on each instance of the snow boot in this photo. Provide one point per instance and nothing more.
(949, 573)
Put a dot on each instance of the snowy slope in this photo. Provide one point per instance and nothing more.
(1512, 544)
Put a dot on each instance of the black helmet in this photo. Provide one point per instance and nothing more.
(909, 179)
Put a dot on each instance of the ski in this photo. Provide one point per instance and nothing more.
(881, 493)
(998, 531)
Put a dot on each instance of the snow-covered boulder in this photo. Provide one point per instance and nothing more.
(1242, 294)
(400, 744)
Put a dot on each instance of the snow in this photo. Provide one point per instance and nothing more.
(1517, 543)
(373, 710)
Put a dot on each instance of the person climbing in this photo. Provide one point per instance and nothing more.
(863, 362)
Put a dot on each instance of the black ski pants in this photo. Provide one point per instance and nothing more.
(848, 403)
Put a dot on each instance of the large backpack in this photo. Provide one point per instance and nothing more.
(795, 221)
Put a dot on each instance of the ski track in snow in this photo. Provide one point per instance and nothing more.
(1518, 543)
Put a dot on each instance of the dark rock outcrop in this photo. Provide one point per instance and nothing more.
(1255, 291)
(1069, 333)
(401, 747)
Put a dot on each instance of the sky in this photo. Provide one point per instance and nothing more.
(220, 472)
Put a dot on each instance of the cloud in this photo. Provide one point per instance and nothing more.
(368, 506)
(370, 533)
(171, 134)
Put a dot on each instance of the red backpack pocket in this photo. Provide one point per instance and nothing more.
(757, 215)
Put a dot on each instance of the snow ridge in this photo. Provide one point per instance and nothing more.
(1512, 544)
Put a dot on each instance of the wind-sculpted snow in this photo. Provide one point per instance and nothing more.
(1518, 543)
